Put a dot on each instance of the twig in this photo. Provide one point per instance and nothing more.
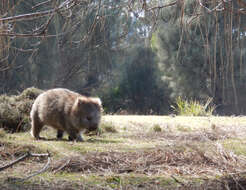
(39, 4)
(40, 171)
(18, 127)
(162, 6)
(40, 155)
(30, 16)
(175, 179)
(63, 166)
(15, 161)
(28, 154)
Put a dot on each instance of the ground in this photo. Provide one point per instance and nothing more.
(133, 152)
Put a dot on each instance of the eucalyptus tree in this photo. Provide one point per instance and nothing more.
(202, 54)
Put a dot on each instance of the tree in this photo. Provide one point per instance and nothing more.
(140, 90)
(198, 57)
(73, 47)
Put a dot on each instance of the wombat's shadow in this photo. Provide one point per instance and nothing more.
(104, 141)
(90, 140)
(52, 139)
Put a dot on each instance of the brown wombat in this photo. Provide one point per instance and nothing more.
(66, 111)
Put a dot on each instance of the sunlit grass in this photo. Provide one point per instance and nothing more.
(193, 107)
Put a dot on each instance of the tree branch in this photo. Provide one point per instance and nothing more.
(30, 16)
(46, 166)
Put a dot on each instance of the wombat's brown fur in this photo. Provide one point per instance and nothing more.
(66, 111)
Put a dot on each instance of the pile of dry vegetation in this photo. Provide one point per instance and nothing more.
(14, 110)
(192, 161)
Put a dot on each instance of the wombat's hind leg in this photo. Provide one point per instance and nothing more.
(36, 128)
(59, 134)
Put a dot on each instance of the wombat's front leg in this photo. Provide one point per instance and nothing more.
(78, 138)
(59, 134)
(75, 136)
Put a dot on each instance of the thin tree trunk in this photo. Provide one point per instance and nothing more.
(232, 65)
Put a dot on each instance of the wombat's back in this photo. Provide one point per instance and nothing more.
(53, 105)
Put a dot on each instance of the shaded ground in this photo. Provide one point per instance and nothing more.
(142, 152)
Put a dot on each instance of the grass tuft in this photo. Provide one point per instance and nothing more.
(193, 107)
(156, 128)
(108, 127)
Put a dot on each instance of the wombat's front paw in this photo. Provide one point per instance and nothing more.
(78, 138)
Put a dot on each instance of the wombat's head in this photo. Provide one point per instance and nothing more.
(86, 113)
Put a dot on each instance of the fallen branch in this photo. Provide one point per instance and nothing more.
(40, 171)
(15, 161)
(28, 154)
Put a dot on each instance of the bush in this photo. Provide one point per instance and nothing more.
(14, 110)
(193, 107)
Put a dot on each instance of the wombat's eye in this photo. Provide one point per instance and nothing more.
(89, 118)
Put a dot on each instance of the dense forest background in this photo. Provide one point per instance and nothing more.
(138, 56)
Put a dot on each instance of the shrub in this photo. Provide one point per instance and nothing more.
(14, 110)
(193, 107)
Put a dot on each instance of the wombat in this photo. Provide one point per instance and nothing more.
(67, 111)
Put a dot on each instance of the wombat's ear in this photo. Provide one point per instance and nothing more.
(98, 101)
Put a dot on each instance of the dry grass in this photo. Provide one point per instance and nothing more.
(14, 110)
(190, 160)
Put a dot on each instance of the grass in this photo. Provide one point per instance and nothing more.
(237, 146)
(193, 107)
(108, 127)
(133, 152)
(156, 128)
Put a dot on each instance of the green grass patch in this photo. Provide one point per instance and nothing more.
(113, 181)
(108, 127)
(156, 128)
(238, 146)
(193, 107)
